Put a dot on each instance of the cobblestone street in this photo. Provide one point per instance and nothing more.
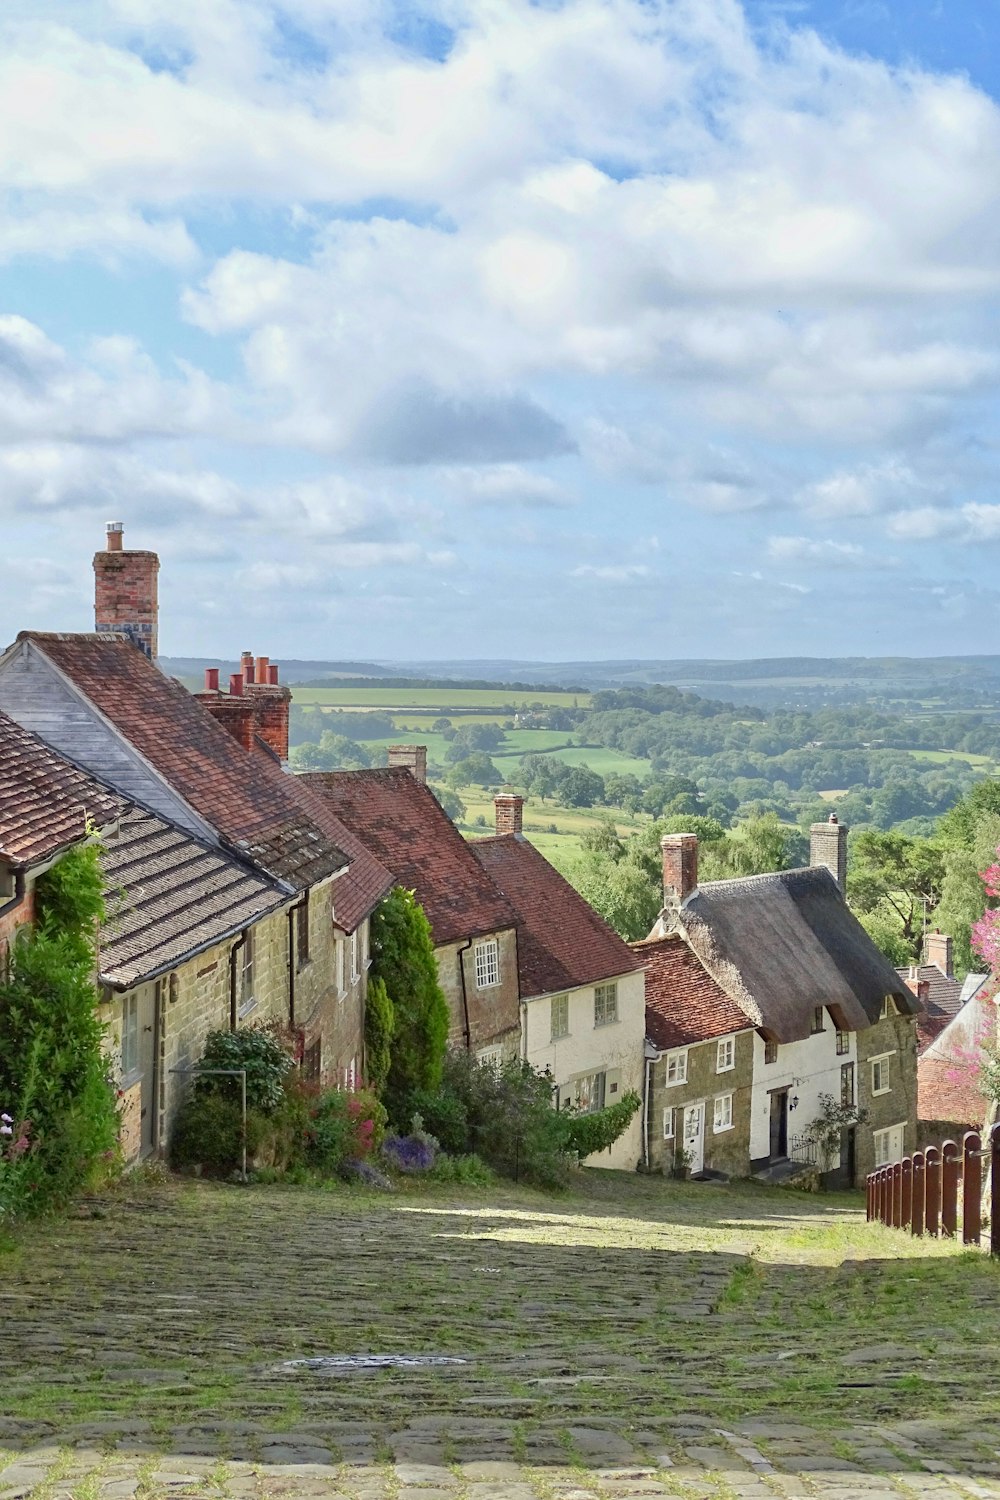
(635, 1338)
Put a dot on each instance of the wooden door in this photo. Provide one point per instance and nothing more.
(694, 1136)
(779, 1124)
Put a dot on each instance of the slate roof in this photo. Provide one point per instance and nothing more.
(45, 803)
(168, 897)
(944, 999)
(246, 798)
(948, 1072)
(781, 944)
(561, 940)
(684, 1005)
(403, 824)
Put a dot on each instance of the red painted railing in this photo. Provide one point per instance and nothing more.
(929, 1191)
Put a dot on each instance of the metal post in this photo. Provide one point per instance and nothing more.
(919, 1189)
(950, 1165)
(241, 1074)
(932, 1190)
(972, 1187)
(995, 1189)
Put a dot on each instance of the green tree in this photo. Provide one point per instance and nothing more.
(581, 787)
(896, 882)
(625, 891)
(403, 960)
(450, 801)
(474, 770)
(380, 1024)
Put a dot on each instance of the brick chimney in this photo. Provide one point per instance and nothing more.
(258, 707)
(413, 757)
(828, 846)
(509, 808)
(938, 949)
(680, 867)
(125, 592)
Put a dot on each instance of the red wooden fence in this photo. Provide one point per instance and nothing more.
(929, 1191)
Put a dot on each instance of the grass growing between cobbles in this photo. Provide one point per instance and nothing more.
(628, 1320)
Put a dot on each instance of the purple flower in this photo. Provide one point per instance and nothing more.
(6, 1129)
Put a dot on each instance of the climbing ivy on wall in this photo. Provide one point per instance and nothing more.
(52, 1065)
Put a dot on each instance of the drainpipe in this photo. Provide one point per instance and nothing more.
(465, 998)
(239, 943)
(645, 1115)
(291, 957)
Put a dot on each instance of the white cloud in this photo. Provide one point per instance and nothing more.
(802, 549)
(509, 485)
(612, 573)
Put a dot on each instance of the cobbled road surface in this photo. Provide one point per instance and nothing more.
(629, 1338)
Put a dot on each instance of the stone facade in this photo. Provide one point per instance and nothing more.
(894, 1039)
(488, 1017)
(726, 1149)
(12, 917)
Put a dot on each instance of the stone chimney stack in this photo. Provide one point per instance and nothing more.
(125, 587)
(413, 757)
(828, 846)
(938, 949)
(680, 867)
(509, 810)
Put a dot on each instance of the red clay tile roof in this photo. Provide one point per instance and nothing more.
(169, 897)
(404, 825)
(943, 1001)
(45, 803)
(561, 940)
(356, 893)
(243, 796)
(684, 1004)
(948, 1072)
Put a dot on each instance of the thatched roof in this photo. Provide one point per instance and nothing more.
(782, 944)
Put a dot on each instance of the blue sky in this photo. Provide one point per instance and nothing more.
(567, 330)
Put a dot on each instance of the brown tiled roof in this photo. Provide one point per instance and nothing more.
(243, 796)
(404, 825)
(561, 940)
(168, 897)
(356, 893)
(684, 1005)
(943, 1000)
(948, 1073)
(45, 803)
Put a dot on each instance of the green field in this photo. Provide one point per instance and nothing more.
(562, 847)
(940, 757)
(441, 698)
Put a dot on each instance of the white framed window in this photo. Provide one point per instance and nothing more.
(818, 1023)
(354, 955)
(247, 977)
(589, 1092)
(889, 1145)
(605, 1004)
(668, 1123)
(559, 1017)
(722, 1115)
(881, 1081)
(130, 1035)
(487, 964)
(888, 1007)
(843, 1042)
(677, 1068)
(725, 1054)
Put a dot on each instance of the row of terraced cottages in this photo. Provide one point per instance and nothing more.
(240, 894)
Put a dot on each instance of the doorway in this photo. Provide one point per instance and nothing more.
(779, 1124)
(694, 1136)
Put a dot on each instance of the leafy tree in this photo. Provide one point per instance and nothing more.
(450, 801)
(541, 774)
(469, 737)
(896, 881)
(581, 787)
(380, 1024)
(625, 891)
(474, 770)
(403, 960)
(754, 846)
(618, 786)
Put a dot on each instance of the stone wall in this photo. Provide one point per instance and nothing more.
(493, 1013)
(897, 1036)
(729, 1150)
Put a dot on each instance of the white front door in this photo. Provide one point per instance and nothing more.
(694, 1136)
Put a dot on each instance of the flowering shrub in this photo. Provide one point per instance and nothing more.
(15, 1144)
(364, 1172)
(408, 1153)
(343, 1127)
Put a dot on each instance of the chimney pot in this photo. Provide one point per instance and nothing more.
(115, 536)
(413, 757)
(246, 666)
(509, 810)
(261, 671)
(272, 675)
(211, 679)
(236, 685)
(680, 867)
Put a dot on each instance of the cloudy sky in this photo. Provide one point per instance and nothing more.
(582, 328)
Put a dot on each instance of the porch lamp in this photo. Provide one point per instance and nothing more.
(794, 1102)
